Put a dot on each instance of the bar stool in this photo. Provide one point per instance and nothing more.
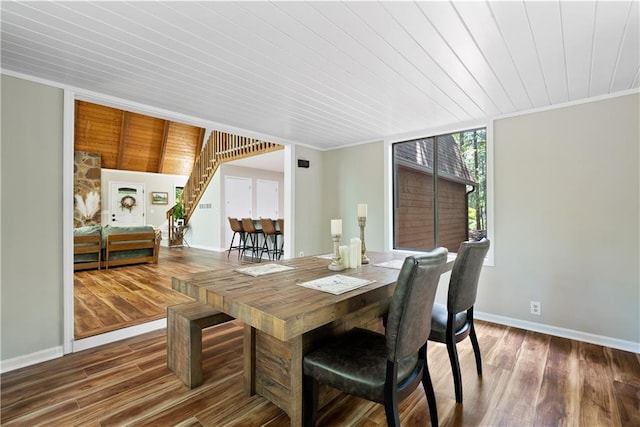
(253, 234)
(269, 230)
(236, 227)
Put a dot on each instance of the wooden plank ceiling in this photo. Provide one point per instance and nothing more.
(135, 142)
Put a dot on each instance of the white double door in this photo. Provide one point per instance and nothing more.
(239, 198)
(127, 204)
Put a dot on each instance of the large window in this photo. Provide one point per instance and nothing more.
(439, 189)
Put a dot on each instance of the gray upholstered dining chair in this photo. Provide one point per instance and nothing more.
(383, 368)
(452, 323)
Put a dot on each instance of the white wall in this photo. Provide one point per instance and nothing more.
(311, 208)
(356, 175)
(31, 220)
(204, 225)
(567, 219)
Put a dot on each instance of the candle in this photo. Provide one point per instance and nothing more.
(344, 256)
(356, 244)
(362, 210)
(354, 252)
(336, 227)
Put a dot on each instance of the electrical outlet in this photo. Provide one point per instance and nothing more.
(536, 308)
(301, 254)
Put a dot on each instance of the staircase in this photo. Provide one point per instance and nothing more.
(220, 147)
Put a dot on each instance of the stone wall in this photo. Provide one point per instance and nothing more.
(86, 189)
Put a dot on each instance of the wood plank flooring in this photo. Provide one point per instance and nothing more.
(112, 299)
(529, 379)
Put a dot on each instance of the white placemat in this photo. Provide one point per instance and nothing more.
(397, 263)
(261, 270)
(394, 263)
(336, 284)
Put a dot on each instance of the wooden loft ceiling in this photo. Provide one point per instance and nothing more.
(135, 142)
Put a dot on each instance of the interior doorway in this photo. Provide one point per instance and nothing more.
(70, 344)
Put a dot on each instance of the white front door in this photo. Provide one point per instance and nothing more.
(267, 199)
(237, 194)
(127, 204)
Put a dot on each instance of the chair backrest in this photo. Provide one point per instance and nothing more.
(247, 225)
(267, 226)
(409, 318)
(463, 285)
(281, 225)
(235, 225)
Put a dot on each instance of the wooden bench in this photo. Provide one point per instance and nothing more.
(131, 242)
(185, 323)
(83, 245)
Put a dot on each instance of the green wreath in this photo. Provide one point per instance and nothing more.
(127, 202)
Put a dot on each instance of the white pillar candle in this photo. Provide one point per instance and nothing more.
(353, 254)
(344, 256)
(336, 227)
(362, 210)
(357, 243)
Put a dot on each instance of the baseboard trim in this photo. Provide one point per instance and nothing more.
(631, 346)
(208, 248)
(130, 332)
(117, 335)
(31, 359)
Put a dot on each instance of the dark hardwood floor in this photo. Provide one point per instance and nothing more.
(529, 379)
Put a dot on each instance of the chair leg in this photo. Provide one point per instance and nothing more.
(242, 244)
(310, 399)
(391, 395)
(231, 245)
(244, 237)
(265, 246)
(455, 368)
(476, 349)
(281, 247)
(391, 411)
(276, 253)
(430, 394)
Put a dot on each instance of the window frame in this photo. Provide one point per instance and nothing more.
(389, 177)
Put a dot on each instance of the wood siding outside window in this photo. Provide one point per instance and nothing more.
(414, 211)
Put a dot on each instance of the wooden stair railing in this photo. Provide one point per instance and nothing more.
(220, 147)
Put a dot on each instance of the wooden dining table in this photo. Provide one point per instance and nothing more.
(284, 320)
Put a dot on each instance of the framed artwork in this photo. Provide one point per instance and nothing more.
(159, 198)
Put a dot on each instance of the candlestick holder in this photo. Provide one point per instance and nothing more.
(362, 220)
(336, 265)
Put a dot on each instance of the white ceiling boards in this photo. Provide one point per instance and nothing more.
(330, 74)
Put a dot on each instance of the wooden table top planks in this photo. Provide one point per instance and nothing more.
(277, 305)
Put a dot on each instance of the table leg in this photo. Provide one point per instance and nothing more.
(249, 371)
(297, 352)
